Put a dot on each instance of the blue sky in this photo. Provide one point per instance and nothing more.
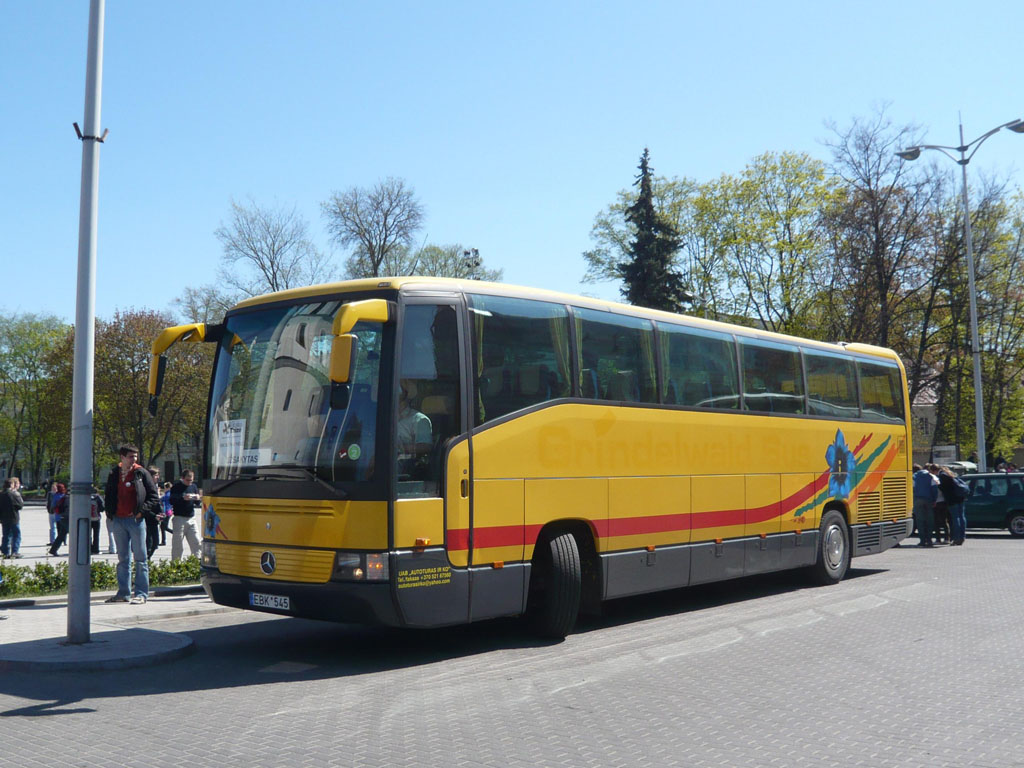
(515, 123)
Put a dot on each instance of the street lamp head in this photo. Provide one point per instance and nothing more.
(1017, 126)
(909, 154)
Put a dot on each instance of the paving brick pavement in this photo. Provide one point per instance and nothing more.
(34, 631)
(909, 662)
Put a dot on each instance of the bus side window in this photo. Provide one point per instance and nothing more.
(772, 377)
(881, 391)
(520, 354)
(700, 367)
(616, 357)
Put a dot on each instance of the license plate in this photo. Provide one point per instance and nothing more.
(277, 602)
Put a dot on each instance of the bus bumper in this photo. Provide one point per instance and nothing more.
(359, 603)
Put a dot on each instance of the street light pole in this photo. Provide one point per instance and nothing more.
(79, 565)
(912, 153)
(979, 408)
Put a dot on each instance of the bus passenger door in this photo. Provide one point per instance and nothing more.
(431, 462)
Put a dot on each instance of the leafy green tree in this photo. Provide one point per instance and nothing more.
(122, 396)
(26, 341)
(778, 242)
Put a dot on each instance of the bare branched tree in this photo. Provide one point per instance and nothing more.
(269, 249)
(376, 223)
(206, 303)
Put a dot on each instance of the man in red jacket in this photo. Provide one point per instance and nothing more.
(130, 494)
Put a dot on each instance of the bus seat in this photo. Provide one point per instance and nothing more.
(623, 387)
(672, 393)
(590, 385)
(696, 391)
(530, 381)
(493, 382)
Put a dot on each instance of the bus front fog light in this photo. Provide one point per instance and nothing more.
(209, 554)
(377, 567)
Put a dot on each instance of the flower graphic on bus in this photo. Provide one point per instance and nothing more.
(841, 464)
(211, 525)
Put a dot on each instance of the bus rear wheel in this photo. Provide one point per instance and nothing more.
(833, 558)
(555, 587)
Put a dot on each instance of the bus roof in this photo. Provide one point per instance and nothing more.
(540, 294)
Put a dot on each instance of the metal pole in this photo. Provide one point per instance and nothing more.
(85, 314)
(979, 409)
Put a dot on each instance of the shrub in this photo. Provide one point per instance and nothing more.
(49, 579)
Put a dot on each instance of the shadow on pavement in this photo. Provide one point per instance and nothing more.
(263, 649)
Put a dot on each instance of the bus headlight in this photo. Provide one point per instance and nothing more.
(353, 566)
(209, 554)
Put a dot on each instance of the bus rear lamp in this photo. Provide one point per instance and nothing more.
(209, 554)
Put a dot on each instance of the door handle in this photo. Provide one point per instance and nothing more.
(465, 488)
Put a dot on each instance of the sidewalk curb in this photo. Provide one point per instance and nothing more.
(93, 656)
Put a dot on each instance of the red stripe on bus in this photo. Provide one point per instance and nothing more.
(863, 442)
(515, 535)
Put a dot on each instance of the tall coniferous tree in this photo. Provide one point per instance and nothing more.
(650, 280)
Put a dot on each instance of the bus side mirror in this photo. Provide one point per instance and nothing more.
(157, 369)
(342, 358)
(192, 333)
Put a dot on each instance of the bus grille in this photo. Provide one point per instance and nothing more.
(894, 497)
(302, 565)
(869, 537)
(869, 507)
(257, 506)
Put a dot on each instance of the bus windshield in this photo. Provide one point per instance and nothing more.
(271, 399)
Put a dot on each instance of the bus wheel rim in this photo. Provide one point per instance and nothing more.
(834, 547)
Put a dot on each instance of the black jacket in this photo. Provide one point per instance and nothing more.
(148, 502)
(10, 506)
(183, 507)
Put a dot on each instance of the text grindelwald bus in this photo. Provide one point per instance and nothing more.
(422, 452)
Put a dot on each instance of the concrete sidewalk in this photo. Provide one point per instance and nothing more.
(33, 631)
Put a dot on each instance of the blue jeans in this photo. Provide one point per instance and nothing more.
(924, 518)
(130, 539)
(53, 526)
(958, 522)
(11, 541)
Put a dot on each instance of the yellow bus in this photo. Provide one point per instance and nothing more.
(423, 451)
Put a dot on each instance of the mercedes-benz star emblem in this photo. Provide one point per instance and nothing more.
(268, 562)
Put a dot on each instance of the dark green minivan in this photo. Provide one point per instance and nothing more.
(996, 501)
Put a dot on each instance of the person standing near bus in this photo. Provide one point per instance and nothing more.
(10, 518)
(130, 493)
(955, 491)
(926, 488)
(153, 518)
(51, 503)
(185, 498)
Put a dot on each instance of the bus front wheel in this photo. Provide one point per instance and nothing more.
(833, 558)
(555, 587)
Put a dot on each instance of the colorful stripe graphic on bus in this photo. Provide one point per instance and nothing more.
(854, 473)
(848, 473)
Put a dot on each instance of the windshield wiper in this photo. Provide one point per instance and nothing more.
(310, 475)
